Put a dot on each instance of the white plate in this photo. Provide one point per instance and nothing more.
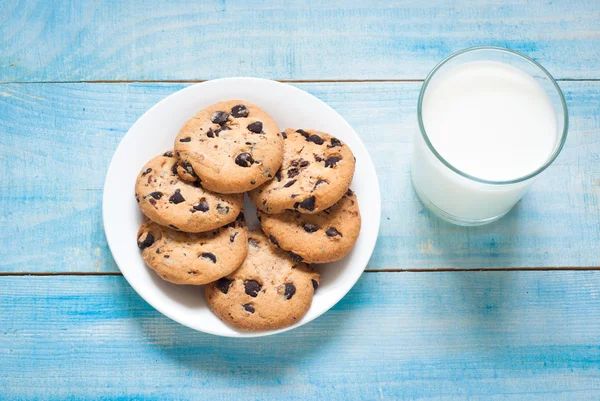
(155, 132)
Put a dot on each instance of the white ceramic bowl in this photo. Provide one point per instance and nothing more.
(155, 132)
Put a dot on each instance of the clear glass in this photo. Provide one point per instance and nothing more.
(480, 201)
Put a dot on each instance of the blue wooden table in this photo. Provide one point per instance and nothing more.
(506, 311)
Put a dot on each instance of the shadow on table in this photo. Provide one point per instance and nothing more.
(495, 245)
(482, 302)
(269, 358)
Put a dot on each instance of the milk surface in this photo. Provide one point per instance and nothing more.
(490, 120)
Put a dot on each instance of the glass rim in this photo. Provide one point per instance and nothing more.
(534, 173)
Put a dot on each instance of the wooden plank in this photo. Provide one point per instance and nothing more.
(175, 40)
(57, 141)
(401, 336)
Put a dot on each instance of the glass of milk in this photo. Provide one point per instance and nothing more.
(490, 121)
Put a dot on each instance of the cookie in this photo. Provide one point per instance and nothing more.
(316, 172)
(315, 238)
(269, 291)
(170, 201)
(232, 146)
(193, 258)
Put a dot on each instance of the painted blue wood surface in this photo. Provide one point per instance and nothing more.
(58, 139)
(396, 336)
(402, 336)
(58, 40)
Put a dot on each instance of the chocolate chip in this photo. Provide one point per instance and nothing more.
(334, 142)
(223, 285)
(304, 163)
(308, 204)
(174, 168)
(274, 241)
(248, 308)
(283, 134)
(222, 209)
(318, 159)
(239, 111)
(156, 195)
(168, 154)
(210, 133)
(148, 171)
(244, 159)
(255, 127)
(210, 256)
(349, 192)
(253, 242)
(278, 175)
(303, 133)
(232, 236)
(189, 169)
(332, 232)
(188, 139)
(319, 182)
(219, 117)
(252, 288)
(291, 173)
(173, 227)
(315, 284)
(295, 257)
(252, 182)
(137, 198)
(202, 206)
(290, 290)
(332, 161)
(177, 197)
(310, 228)
(315, 139)
(223, 128)
(152, 201)
(148, 241)
(289, 184)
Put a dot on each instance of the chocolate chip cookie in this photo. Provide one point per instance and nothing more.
(317, 170)
(193, 258)
(269, 291)
(181, 205)
(315, 238)
(231, 146)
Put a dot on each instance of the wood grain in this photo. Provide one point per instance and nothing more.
(63, 40)
(57, 141)
(401, 336)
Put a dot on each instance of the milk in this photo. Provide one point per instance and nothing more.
(491, 121)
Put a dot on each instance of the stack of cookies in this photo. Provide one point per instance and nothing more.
(195, 232)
